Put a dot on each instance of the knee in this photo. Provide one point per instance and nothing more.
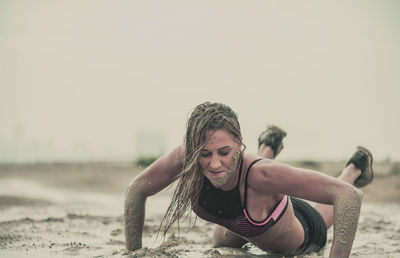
(224, 238)
(218, 237)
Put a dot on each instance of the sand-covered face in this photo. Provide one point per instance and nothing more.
(219, 159)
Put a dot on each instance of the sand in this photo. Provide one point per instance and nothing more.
(76, 210)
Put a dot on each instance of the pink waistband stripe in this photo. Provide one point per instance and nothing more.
(281, 206)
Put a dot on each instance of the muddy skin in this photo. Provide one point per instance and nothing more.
(232, 167)
(330, 188)
(134, 217)
(347, 212)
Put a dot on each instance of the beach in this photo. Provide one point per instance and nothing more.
(76, 210)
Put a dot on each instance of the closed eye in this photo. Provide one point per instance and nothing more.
(222, 152)
(205, 154)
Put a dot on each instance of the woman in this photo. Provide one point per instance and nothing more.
(250, 198)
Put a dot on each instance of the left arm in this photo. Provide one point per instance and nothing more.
(346, 213)
(276, 177)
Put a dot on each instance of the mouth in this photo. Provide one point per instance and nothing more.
(215, 173)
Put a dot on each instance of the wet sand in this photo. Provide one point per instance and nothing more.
(66, 210)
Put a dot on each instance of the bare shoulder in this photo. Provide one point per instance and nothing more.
(273, 177)
(161, 172)
(263, 167)
(269, 176)
(265, 173)
(176, 156)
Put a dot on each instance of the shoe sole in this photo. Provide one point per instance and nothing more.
(277, 129)
(369, 172)
(273, 129)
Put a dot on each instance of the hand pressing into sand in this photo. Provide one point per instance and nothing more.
(150, 181)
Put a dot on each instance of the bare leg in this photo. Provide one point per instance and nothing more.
(223, 237)
(266, 152)
(349, 175)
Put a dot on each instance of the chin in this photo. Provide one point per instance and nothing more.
(219, 182)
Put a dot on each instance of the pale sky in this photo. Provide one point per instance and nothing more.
(87, 79)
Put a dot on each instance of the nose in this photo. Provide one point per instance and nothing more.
(215, 163)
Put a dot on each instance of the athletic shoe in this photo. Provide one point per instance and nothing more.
(272, 137)
(362, 159)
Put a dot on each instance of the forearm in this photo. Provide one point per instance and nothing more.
(134, 218)
(346, 214)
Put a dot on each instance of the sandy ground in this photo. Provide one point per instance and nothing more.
(65, 210)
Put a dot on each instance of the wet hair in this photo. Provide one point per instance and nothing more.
(205, 119)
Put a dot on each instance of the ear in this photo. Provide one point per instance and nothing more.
(240, 141)
(241, 144)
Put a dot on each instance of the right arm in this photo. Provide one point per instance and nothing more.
(150, 181)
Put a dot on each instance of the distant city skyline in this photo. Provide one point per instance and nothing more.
(21, 149)
(80, 80)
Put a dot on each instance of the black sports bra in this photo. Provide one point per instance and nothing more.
(225, 209)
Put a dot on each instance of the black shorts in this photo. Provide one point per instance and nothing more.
(313, 224)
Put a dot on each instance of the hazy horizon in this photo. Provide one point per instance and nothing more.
(110, 80)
